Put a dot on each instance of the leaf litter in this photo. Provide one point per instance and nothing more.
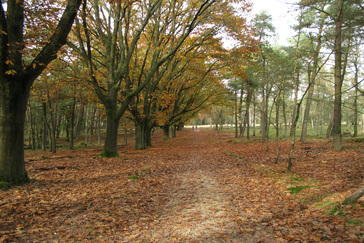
(199, 187)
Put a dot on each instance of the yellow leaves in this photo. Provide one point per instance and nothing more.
(9, 62)
(10, 72)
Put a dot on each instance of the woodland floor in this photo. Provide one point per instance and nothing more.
(199, 187)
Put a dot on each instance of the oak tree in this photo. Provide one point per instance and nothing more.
(17, 76)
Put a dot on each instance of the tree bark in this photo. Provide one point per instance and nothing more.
(284, 117)
(336, 128)
(353, 198)
(111, 139)
(142, 134)
(166, 132)
(174, 130)
(329, 126)
(306, 114)
(355, 134)
(13, 102)
(236, 115)
(277, 130)
(31, 121)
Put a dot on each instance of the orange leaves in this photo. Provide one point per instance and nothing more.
(187, 189)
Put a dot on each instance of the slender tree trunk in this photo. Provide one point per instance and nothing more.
(277, 130)
(307, 114)
(254, 114)
(77, 130)
(87, 123)
(37, 130)
(329, 127)
(236, 115)
(98, 126)
(297, 105)
(284, 117)
(174, 130)
(291, 150)
(264, 119)
(336, 129)
(52, 126)
(72, 124)
(45, 126)
(246, 117)
(295, 111)
(355, 134)
(241, 117)
(32, 133)
(125, 135)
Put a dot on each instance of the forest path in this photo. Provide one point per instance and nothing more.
(202, 186)
(199, 208)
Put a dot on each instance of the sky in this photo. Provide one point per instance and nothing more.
(282, 14)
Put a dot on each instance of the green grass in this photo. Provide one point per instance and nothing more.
(297, 189)
(4, 185)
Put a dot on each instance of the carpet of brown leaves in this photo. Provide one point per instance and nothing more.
(200, 187)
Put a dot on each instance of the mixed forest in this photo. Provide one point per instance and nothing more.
(115, 94)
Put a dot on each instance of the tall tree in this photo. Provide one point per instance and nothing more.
(336, 129)
(128, 46)
(315, 44)
(264, 28)
(344, 15)
(17, 76)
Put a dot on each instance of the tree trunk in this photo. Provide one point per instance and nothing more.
(254, 118)
(264, 121)
(236, 115)
(353, 198)
(174, 130)
(284, 117)
(142, 134)
(98, 119)
(125, 136)
(13, 102)
(15, 86)
(336, 128)
(277, 130)
(166, 132)
(246, 117)
(31, 127)
(72, 124)
(355, 134)
(149, 134)
(111, 139)
(241, 116)
(52, 126)
(76, 131)
(307, 114)
(45, 126)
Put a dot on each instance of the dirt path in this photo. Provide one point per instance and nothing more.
(199, 208)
